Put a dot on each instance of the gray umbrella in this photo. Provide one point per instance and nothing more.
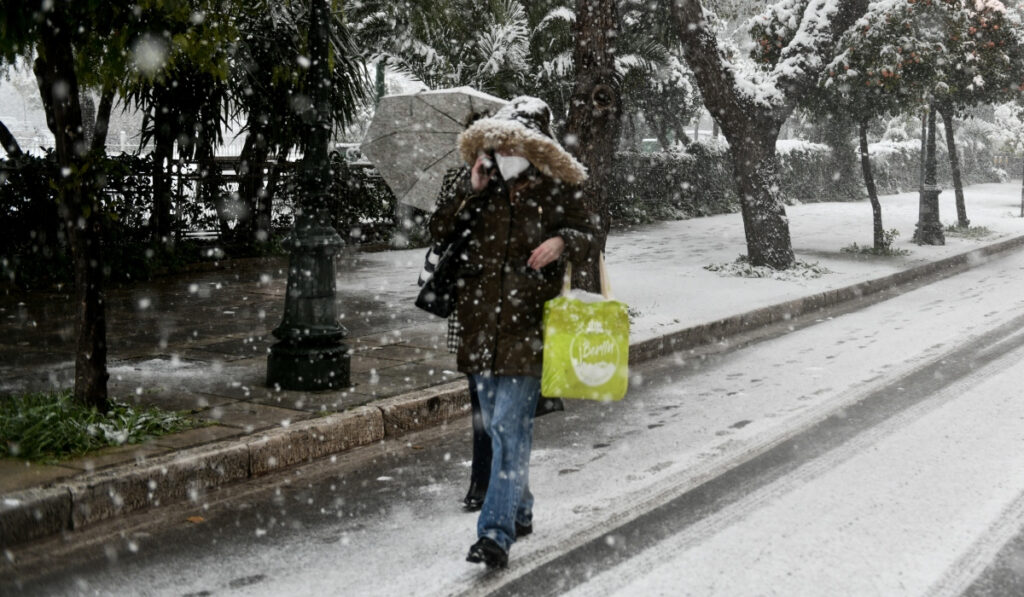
(412, 139)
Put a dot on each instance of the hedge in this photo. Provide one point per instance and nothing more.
(697, 181)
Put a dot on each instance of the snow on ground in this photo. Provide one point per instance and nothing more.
(919, 494)
(658, 270)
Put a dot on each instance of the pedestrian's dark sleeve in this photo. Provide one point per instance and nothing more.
(578, 229)
(447, 219)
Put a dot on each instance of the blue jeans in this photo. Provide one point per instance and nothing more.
(507, 404)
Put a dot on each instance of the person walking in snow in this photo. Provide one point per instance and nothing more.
(525, 219)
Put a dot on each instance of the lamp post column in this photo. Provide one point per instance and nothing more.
(310, 354)
(929, 227)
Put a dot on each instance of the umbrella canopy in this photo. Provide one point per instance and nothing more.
(412, 139)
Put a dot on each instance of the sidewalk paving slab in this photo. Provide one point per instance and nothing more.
(198, 342)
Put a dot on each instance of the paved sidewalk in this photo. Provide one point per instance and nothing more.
(198, 342)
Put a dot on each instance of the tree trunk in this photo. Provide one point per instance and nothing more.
(250, 184)
(88, 116)
(661, 133)
(1022, 190)
(869, 182)
(163, 154)
(58, 86)
(752, 127)
(9, 142)
(99, 136)
(756, 167)
(954, 166)
(380, 85)
(681, 136)
(594, 117)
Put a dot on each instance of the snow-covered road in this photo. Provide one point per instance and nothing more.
(879, 452)
(917, 504)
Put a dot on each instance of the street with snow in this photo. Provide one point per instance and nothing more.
(876, 449)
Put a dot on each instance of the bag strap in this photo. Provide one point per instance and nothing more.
(606, 287)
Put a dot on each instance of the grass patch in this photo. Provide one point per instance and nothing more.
(882, 252)
(742, 268)
(886, 250)
(51, 426)
(970, 232)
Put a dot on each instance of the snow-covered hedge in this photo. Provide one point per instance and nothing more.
(697, 181)
(897, 166)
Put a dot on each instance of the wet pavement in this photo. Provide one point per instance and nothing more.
(198, 342)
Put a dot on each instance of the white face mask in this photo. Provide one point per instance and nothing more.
(511, 166)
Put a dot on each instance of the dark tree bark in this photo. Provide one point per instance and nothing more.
(163, 155)
(661, 132)
(379, 85)
(88, 117)
(58, 87)
(99, 136)
(869, 183)
(954, 166)
(9, 142)
(250, 185)
(594, 123)
(752, 127)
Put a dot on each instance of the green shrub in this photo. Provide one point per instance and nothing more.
(52, 426)
(886, 250)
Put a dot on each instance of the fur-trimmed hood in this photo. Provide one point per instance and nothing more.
(522, 126)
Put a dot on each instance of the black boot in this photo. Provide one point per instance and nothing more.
(475, 497)
(490, 553)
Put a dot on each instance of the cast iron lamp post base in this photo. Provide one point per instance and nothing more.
(310, 355)
(293, 366)
(929, 229)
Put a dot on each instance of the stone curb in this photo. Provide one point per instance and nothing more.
(188, 474)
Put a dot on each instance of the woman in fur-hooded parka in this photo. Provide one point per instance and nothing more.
(500, 299)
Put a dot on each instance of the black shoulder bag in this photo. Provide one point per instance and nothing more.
(437, 295)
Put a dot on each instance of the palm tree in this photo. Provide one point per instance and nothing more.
(268, 90)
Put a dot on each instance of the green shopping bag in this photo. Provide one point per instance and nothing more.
(586, 346)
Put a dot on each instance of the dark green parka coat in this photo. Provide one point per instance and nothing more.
(500, 299)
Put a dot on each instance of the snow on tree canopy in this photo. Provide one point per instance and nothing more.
(793, 37)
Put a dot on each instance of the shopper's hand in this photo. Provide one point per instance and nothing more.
(481, 172)
(548, 251)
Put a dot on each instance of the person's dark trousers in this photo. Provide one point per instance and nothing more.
(480, 473)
